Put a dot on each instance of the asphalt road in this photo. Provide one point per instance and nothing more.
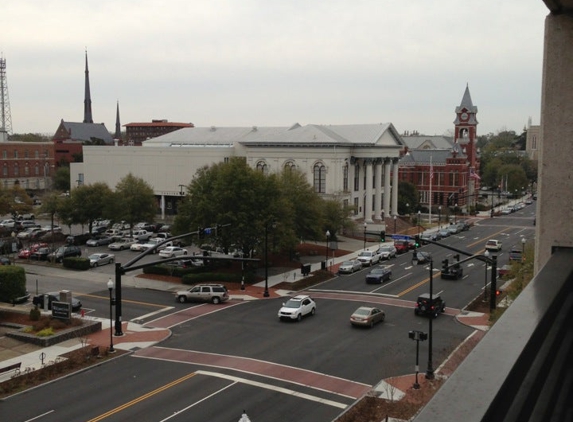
(242, 357)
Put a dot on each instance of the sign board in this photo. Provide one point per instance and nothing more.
(400, 237)
(62, 310)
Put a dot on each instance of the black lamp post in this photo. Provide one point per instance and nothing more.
(486, 254)
(430, 368)
(523, 246)
(266, 293)
(118, 310)
(110, 288)
(365, 227)
(440, 217)
(419, 220)
(394, 223)
(456, 214)
(327, 240)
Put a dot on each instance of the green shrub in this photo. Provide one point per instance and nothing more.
(35, 314)
(75, 263)
(12, 282)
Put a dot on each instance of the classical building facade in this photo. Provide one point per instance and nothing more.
(351, 163)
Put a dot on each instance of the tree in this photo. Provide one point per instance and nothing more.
(407, 194)
(90, 201)
(136, 198)
(62, 179)
(15, 201)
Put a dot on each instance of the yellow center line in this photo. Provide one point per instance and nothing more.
(141, 398)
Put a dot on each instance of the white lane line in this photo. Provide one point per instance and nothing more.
(155, 312)
(275, 388)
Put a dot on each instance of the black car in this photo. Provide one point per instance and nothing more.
(378, 275)
(434, 237)
(423, 257)
(65, 252)
(430, 306)
(453, 273)
(41, 254)
(38, 300)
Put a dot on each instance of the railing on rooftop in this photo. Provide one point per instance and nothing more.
(522, 370)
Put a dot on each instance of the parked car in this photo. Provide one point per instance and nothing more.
(78, 239)
(49, 228)
(66, 251)
(99, 241)
(5, 260)
(184, 263)
(297, 307)
(154, 242)
(503, 271)
(367, 316)
(38, 300)
(368, 258)
(25, 253)
(172, 252)
(515, 254)
(214, 293)
(30, 233)
(378, 275)
(443, 233)
(25, 224)
(386, 251)
(98, 259)
(348, 267)
(432, 306)
(434, 237)
(9, 224)
(41, 254)
(493, 245)
(138, 246)
(121, 244)
(141, 235)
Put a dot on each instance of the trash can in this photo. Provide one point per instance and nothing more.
(323, 265)
(305, 269)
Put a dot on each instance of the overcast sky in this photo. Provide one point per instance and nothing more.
(274, 62)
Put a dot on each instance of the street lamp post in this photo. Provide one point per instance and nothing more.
(365, 227)
(440, 217)
(394, 223)
(327, 240)
(486, 254)
(266, 293)
(523, 240)
(419, 222)
(110, 288)
(456, 214)
(430, 368)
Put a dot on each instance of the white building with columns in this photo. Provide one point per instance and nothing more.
(355, 164)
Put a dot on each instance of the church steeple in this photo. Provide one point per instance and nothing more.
(87, 97)
(117, 134)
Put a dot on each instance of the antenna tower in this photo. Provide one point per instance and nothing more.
(5, 117)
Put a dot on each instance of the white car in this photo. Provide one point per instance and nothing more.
(297, 307)
(121, 244)
(9, 224)
(137, 247)
(156, 241)
(493, 245)
(172, 251)
(387, 251)
(368, 258)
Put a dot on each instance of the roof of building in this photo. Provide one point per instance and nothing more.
(87, 131)
(349, 135)
(428, 142)
(158, 123)
(424, 157)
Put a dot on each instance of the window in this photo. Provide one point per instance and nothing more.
(15, 153)
(356, 177)
(319, 178)
(262, 167)
(37, 170)
(26, 170)
(4, 154)
(290, 166)
(345, 178)
(5, 170)
(16, 170)
(355, 206)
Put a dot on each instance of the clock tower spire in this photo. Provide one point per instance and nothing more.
(466, 127)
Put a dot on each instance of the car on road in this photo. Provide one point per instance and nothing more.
(368, 258)
(367, 316)
(493, 245)
(99, 241)
(172, 252)
(297, 307)
(515, 254)
(444, 233)
(121, 244)
(402, 246)
(454, 272)
(66, 251)
(430, 306)
(98, 259)
(379, 275)
(506, 211)
(348, 267)
(38, 300)
(386, 251)
(423, 257)
(214, 293)
(427, 236)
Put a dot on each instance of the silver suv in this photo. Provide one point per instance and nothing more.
(214, 293)
(297, 307)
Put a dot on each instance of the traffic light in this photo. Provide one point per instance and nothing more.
(201, 232)
(382, 235)
(445, 265)
(416, 242)
(457, 258)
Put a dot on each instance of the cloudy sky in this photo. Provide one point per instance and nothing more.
(274, 62)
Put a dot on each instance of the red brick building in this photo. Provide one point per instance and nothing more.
(446, 176)
(28, 164)
(136, 133)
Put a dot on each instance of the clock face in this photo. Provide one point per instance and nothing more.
(464, 116)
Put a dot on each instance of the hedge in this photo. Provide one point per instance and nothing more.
(12, 282)
(75, 263)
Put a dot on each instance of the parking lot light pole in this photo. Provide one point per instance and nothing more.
(394, 223)
(430, 369)
(110, 288)
(327, 240)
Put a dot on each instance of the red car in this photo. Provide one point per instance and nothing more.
(402, 246)
(25, 253)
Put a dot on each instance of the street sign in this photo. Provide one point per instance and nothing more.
(400, 237)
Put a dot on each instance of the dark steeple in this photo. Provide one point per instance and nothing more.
(117, 124)
(87, 97)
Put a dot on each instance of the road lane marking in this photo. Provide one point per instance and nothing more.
(143, 397)
(275, 388)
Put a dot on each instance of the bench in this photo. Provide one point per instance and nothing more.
(14, 367)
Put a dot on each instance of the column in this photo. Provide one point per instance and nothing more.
(395, 186)
(387, 191)
(378, 188)
(368, 194)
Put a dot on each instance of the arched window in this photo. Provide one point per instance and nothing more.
(262, 167)
(319, 178)
(290, 166)
(345, 177)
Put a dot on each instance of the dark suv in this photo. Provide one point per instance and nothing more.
(430, 306)
(515, 254)
(65, 252)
